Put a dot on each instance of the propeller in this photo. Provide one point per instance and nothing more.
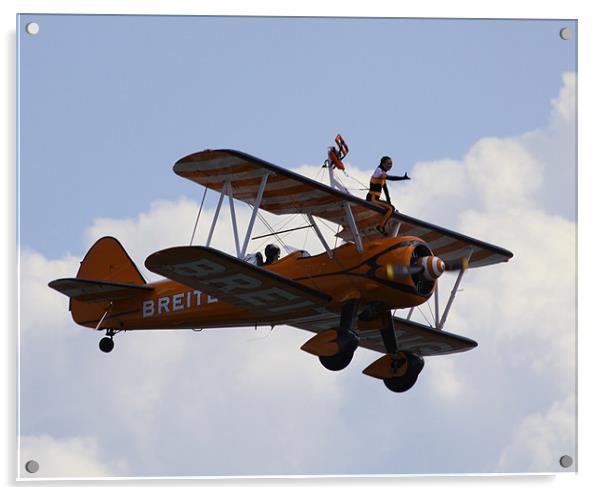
(431, 267)
(394, 270)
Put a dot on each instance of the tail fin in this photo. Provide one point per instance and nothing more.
(106, 274)
(107, 261)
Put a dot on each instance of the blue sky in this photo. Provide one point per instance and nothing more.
(480, 113)
(123, 98)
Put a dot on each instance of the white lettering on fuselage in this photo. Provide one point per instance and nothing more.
(173, 303)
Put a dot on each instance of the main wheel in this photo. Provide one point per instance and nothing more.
(106, 344)
(407, 381)
(401, 383)
(336, 362)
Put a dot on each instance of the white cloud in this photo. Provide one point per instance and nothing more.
(503, 174)
(541, 439)
(533, 300)
(445, 380)
(564, 106)
(43, 309)
(67, 458)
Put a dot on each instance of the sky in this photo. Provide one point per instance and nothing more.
(481, 114)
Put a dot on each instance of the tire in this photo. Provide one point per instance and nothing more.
(336, 362)
(402, 383)
(106, 344)
(406, 382)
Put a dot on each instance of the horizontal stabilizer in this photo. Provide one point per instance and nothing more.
(92, 291)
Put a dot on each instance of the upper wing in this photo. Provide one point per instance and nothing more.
(266, 295)
(451, 246)
(287, 192)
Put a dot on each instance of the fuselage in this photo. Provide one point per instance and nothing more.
(347, 275)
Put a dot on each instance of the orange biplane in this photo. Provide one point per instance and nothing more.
(346, 295)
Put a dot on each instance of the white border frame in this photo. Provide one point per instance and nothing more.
(588, 199)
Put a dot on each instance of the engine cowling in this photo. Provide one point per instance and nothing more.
(421, 266)
(431, 268)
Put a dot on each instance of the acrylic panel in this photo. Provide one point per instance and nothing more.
(481, 115)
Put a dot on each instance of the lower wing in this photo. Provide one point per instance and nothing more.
(267, 295)
(411, 336)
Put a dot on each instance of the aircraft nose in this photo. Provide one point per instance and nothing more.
(433, 266)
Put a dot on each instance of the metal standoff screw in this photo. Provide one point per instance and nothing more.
(32, 28)
(32, 467)
(565, 33)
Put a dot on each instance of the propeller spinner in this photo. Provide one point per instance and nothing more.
(431, 267)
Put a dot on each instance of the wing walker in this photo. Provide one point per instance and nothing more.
(346, 296)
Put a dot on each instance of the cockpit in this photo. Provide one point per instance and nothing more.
(272, 255)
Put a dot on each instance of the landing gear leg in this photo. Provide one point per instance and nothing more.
(106, 344)
(415, 363)
(347, 338)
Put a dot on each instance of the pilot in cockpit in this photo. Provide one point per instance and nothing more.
(272, 254)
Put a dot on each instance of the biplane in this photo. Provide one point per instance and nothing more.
(346, 295)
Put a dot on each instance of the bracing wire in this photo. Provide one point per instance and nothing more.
(363, 188)
(198, 216)
(320, 175)
(280, 238)
(336, 237)
(326, 225)
(267, 225)
(272, 230)
(305, 241)
(428, 303)
(425, 318)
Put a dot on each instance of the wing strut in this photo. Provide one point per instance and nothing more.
(258, 199)
(439, 324)
(217, 210)
(311, 220)
(356, 235)
(233, 215)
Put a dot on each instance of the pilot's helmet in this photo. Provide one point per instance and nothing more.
(272, 251)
